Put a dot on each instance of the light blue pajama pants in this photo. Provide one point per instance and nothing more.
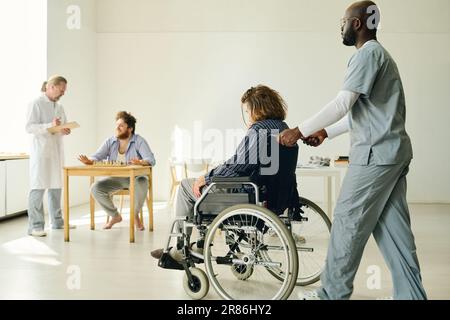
(372, 201)
(36, 220)
(102, 190)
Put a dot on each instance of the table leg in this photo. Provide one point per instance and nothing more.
(66, 206)
(328, 199)
(132, 204)
(150, 202)
(92, 206)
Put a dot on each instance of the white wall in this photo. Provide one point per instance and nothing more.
(172, 62)
(24, 52)
(72, 53)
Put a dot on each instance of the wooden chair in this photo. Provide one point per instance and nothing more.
(176, 177)
(189, 168)
(196, 167)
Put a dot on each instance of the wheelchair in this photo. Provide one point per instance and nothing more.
(251, 250)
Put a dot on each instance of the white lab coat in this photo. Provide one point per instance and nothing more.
(47, 152)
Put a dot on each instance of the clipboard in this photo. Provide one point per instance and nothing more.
(68, 125)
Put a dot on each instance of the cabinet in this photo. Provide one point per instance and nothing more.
(2, 189)
(14, 186)
(17, 185)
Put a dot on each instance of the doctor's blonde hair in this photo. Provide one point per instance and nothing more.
(54, 80)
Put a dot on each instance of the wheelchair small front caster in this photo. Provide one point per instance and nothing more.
(200, 285)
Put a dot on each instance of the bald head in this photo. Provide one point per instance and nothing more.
(367, 12)
(361, 5)
(360, 23)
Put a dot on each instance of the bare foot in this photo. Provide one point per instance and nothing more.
(112, 222)
(139, 224)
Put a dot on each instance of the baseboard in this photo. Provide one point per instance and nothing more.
(415, 202)
(14, 215)
(429, 202)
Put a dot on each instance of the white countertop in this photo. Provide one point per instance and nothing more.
(13, 156)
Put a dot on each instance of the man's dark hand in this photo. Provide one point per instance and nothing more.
(316, 139)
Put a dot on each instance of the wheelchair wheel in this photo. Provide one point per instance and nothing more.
(311, 238)
(200, 286)
(237, 249)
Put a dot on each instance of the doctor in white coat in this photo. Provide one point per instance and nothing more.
(46, 156)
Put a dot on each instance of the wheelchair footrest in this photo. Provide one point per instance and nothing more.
(297, 216)
(167, 262)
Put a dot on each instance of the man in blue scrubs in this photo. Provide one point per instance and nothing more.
(371, 106)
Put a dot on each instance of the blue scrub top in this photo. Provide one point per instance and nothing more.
(377, 120)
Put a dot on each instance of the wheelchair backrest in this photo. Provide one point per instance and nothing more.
(281, 186)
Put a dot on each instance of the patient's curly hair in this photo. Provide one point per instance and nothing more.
(128, 119)
(265, 103)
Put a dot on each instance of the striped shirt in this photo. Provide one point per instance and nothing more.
(253, 151)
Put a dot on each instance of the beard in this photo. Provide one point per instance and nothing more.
(123, 136)
(349, 38)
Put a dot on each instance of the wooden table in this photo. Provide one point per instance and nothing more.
(95, 171)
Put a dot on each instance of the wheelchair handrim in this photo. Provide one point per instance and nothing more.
(284, 235)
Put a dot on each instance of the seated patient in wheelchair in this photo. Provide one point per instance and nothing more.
(257, 155)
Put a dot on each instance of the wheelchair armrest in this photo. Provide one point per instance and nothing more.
(226, 184)
(232, 179)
